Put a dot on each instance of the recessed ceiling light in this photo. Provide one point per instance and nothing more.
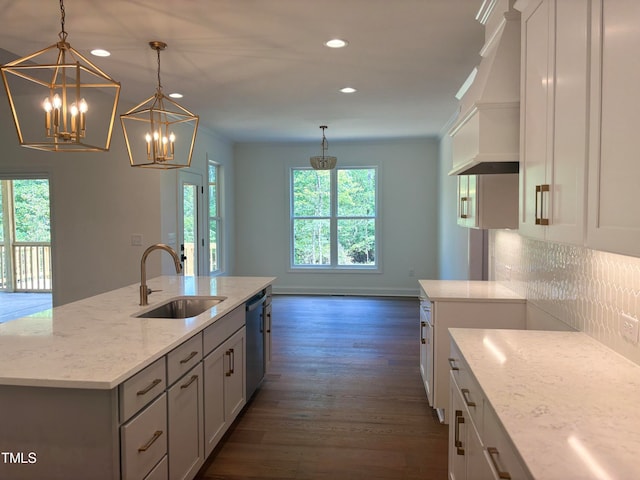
(336, 43)
(348, 90)
(176, 95)
(99, 52)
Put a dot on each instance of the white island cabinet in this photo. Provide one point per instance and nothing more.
(88, 390)
(541, 404)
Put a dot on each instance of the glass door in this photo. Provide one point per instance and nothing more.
(190, 239)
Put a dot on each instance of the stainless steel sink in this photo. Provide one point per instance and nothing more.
(181, 307)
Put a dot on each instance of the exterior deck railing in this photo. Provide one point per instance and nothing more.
(31, 267)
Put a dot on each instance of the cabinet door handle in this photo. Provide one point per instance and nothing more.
(189, 357)
(423, 340)
(147, 445)
(544, 189)
(465, 393)
(456, 439)
(146, 390)
(228, 372)
(540, 191)
(232, 362)
(501, 474)
(452, 365)
(191, 380)
(269, 323)
(464, 207)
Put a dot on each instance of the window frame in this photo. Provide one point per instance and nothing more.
(217, 218)
(333, 266)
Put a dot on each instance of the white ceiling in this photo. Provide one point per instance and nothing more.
(257, 70)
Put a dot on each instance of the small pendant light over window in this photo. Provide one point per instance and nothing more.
(72, 101)
(159, 133)
(323, 162)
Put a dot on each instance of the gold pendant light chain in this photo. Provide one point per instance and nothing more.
(63, 33)
(159, 83)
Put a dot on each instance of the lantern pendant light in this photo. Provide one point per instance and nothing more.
(60, 101)
(324, 162)
(158, 132)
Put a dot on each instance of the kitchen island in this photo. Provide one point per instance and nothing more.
(62, 372)
(564, 404)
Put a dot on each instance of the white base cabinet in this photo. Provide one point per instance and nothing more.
(479, 448)
(438, 314)
(225, 388)
(185, 414)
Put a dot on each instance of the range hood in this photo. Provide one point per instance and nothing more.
(486, 134)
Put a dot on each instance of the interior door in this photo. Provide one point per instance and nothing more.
(190, 238)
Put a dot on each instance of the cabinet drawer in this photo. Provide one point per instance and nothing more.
(223, 328)
(143, 387)
(499, 450)
(160, 472)
(182, 358)
(143, 440)
(469, 388)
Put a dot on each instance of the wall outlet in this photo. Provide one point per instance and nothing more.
(629, 328)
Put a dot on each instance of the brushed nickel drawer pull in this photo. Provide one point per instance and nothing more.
(422, 339)
(147, 446)
(191, 380)
(457, 442)
(189, 357)
(452, 364)
(146, 390)
(501, 474)
(465, 392)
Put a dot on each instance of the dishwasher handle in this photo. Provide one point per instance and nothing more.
(256, 301)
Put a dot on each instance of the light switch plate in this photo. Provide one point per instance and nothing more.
(629, 328)
(136, 240)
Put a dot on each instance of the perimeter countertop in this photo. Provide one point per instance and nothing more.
(569, 404)
(97, 343)
(468, 290)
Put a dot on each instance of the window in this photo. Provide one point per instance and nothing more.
(334, 218)
(215, 220)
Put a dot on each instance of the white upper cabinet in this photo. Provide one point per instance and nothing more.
(488, 201)
(554, 123)
(614, 167)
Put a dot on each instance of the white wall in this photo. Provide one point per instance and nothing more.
(453, 240)
(97, 202)
(408, 186)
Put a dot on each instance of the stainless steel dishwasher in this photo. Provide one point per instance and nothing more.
(255, 341)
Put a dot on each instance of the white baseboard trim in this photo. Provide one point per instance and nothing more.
(356, 291)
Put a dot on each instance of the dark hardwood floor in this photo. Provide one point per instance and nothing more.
(343, 398)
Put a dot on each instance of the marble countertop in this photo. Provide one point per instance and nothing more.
(569, 404)
(468, 290)
(97, 343)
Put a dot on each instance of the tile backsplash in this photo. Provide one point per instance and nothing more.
(589, 290)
